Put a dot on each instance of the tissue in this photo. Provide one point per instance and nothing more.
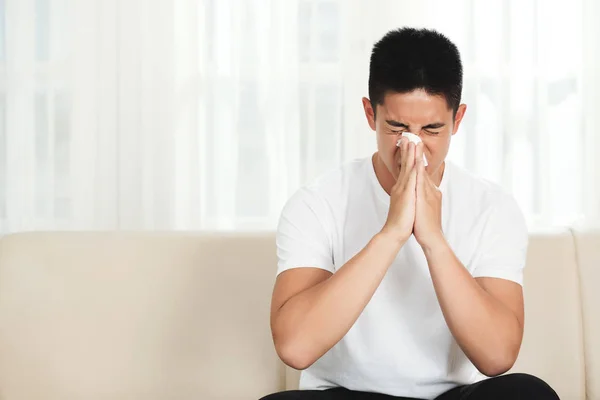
(415, 139)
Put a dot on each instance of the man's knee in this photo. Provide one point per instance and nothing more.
(529, 386)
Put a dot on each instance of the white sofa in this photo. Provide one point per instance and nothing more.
(186, 316)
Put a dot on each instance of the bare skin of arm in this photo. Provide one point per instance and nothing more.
(485, 315)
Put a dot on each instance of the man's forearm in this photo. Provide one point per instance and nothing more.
(487, 331)
(313, 321)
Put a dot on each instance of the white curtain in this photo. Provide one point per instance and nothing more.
(209, 114)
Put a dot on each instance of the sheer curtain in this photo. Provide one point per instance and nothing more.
(187, 114)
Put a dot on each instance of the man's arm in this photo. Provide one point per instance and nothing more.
(313, 309)
(485, 315)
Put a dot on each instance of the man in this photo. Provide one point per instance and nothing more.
(399, 280)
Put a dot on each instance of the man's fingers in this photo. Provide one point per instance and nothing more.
(419, 152)
(410, 156)
(403, 153)
(412, 180)
(401, 140)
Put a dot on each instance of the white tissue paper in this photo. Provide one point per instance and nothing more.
(415, 139)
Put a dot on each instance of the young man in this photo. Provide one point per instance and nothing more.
(399, 280)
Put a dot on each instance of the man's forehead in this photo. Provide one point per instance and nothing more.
(421, 116)
(414, 107)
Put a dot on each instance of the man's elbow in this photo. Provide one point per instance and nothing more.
(294, 355)
(494, 369)
(498, 363)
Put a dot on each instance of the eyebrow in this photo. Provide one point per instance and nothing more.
(435, 125)
(396, 123)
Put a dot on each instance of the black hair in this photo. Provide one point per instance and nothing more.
(408, 59)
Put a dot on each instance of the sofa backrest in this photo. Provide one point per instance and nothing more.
(137, 316)
(587, 242)
(155, 316)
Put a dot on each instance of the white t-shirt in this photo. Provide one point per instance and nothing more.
(400, 345)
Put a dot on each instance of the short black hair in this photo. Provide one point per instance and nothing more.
(408, 59)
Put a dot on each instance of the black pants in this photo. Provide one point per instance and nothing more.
(505, 387)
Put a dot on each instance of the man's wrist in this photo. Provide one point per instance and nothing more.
(390, 239)
(435, 246)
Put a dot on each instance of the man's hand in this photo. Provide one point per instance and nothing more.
(401, 215)
(428, 216)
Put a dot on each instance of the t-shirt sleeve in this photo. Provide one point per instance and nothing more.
(502, 250)
(303, 238)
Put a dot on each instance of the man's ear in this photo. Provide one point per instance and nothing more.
(460, 113)
(369, 112)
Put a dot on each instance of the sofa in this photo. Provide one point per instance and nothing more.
(118, 315)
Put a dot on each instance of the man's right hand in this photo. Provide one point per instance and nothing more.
(401, 215)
